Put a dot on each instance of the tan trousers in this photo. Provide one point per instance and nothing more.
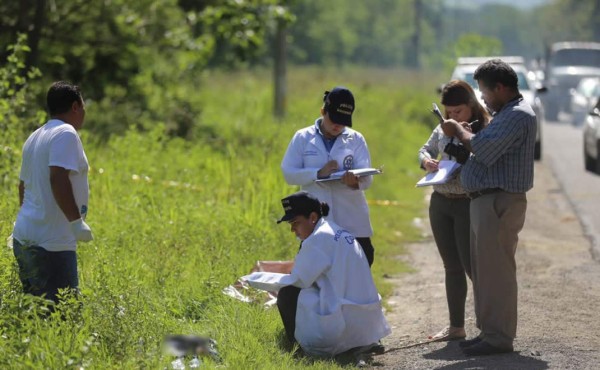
(496, 220)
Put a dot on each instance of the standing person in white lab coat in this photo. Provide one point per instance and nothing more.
(337, 307)
(331, 145)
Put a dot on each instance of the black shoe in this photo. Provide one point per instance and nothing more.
(469, 342)
(375, 348)
(378, 349)
(484, 349)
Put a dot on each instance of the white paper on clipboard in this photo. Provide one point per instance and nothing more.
(442, 175)
(360, 172)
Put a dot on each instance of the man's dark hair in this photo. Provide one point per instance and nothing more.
(61, 96)
(496, 71)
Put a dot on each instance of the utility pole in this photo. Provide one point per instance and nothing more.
(415, 61)
(279, 78)
(594, 22)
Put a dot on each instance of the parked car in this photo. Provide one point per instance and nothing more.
(567, 63)
(591, 140)
(583, 98)
(528, 86)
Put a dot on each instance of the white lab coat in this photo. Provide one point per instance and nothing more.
(338, 306)
(306, 155)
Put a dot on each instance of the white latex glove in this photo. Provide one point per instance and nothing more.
(81, 230)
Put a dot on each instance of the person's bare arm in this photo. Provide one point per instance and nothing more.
(63, 192)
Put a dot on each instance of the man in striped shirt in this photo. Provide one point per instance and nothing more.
(496, 177)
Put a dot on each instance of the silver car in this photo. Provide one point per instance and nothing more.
(591, 140)
(583, 98)
(465, 69)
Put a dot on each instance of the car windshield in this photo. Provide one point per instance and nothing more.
(576, 57)
(523, 84)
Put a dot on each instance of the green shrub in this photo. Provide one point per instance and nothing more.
(175, 221)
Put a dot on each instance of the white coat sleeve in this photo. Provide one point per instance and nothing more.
(310, 263)
(363, 160)
(292, 164)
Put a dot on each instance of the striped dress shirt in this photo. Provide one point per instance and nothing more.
(503, 152)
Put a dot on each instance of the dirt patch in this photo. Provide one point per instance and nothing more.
(559, 297)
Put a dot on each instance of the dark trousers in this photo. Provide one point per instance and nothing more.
(367, 248)
(451, 227)
(43, 273)
(287, 302)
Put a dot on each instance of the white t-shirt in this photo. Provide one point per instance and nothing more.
(40, 220)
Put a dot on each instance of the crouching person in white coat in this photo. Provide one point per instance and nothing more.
(329, 303)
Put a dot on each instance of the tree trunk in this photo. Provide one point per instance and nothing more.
(280, 70)
(35, 34)
(595, 21)
(415, 61)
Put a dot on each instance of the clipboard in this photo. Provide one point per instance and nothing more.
(441, 176)
(360, 172)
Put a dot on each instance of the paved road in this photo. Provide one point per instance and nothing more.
(563, 154)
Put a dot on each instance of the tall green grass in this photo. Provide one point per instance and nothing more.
(176, 221)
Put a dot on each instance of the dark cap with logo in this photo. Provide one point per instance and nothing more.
(299, 204)
(339, 104)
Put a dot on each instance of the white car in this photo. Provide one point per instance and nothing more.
(583, 98)
(566, 64)
(591, 140)
(465, 68)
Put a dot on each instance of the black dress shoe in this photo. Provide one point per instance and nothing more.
(469, 342)
(375, 348)
(484, 349)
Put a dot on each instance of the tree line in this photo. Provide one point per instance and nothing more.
(139, 60)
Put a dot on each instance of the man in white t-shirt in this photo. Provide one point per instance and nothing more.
(53, 195)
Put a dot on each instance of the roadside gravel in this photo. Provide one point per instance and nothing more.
(559, 297)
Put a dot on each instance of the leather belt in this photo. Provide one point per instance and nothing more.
(453, 196)
(478, 193)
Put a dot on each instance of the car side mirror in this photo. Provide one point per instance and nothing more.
(541, 89)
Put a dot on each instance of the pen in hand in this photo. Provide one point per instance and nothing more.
(469, 126)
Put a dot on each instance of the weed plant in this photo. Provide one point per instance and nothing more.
(175, 221)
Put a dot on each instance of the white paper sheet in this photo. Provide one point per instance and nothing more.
(441, 176)
(269, 281)
(360, 172)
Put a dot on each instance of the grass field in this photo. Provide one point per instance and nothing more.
(175, 221)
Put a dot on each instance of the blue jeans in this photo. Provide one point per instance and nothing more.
(43, 273)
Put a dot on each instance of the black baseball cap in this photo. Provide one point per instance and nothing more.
(339, 103)
(300, 203)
